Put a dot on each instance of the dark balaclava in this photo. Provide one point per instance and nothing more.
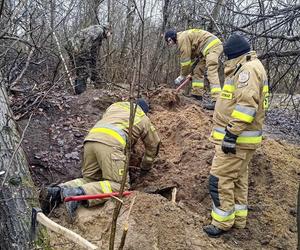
(171, 34)
(235, 46)
(143, 105)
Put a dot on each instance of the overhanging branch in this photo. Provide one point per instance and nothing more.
(280, 54)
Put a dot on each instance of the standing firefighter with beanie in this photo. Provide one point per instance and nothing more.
(83, 49)
(104, 156)
(237, 132)
(193, 44)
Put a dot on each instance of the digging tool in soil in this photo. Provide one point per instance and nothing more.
(189, 77)
(185, 82)
(165, 191)
(95, 196)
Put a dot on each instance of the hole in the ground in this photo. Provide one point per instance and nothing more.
(165, 191)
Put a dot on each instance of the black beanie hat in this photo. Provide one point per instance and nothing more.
(143, 105)
(236, 46)
(171, 34)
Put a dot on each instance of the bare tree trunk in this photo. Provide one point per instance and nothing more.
(108, 58)
(128, 29)
(52, 6)
(160, 40)
(17, 189)
(92, 10)
(215, 14)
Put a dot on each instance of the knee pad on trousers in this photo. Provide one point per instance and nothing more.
(213, 189)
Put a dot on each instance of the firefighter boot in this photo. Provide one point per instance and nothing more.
(197, 97)
(49, 198)
(79, 86)
(213, 231)
(72, 206)
(210, 105)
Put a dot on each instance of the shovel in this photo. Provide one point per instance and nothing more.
(95, 196)
(189, 77)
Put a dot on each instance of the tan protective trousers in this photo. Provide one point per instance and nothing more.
(228, 187)
(211, 64)
(102, 170)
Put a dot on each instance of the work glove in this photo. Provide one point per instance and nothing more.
(179, 80)
(146, 165)
(229, 143)
(144, 172)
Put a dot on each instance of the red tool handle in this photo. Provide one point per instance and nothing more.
(185, 82)
(95, 196)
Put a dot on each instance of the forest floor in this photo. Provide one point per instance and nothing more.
(53, 143)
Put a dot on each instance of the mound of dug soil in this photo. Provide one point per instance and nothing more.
(185, 152)
(184, 161)
(154, 223)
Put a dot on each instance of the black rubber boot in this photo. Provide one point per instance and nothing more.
(209, 105)
(79, 86)
(197, 97)
(213, 231)
(49, 198)
(72, 206)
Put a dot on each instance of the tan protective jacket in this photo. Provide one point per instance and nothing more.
(242, 103)
(193, 43)
(112, 130)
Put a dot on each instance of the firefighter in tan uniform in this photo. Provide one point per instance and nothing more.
(104, 155)
(237, 132)
(196, 44)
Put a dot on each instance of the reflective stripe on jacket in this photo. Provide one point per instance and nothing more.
(249, 137)
(113, 129)
(242, 103)
(193, 43)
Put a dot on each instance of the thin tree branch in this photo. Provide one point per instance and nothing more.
(280, 54)
(24, 69)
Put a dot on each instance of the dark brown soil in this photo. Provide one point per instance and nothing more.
(53, 143)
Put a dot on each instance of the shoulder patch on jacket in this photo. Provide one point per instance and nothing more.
(243, 79)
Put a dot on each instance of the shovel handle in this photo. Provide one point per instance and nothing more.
(185, 82)
(94, 196)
